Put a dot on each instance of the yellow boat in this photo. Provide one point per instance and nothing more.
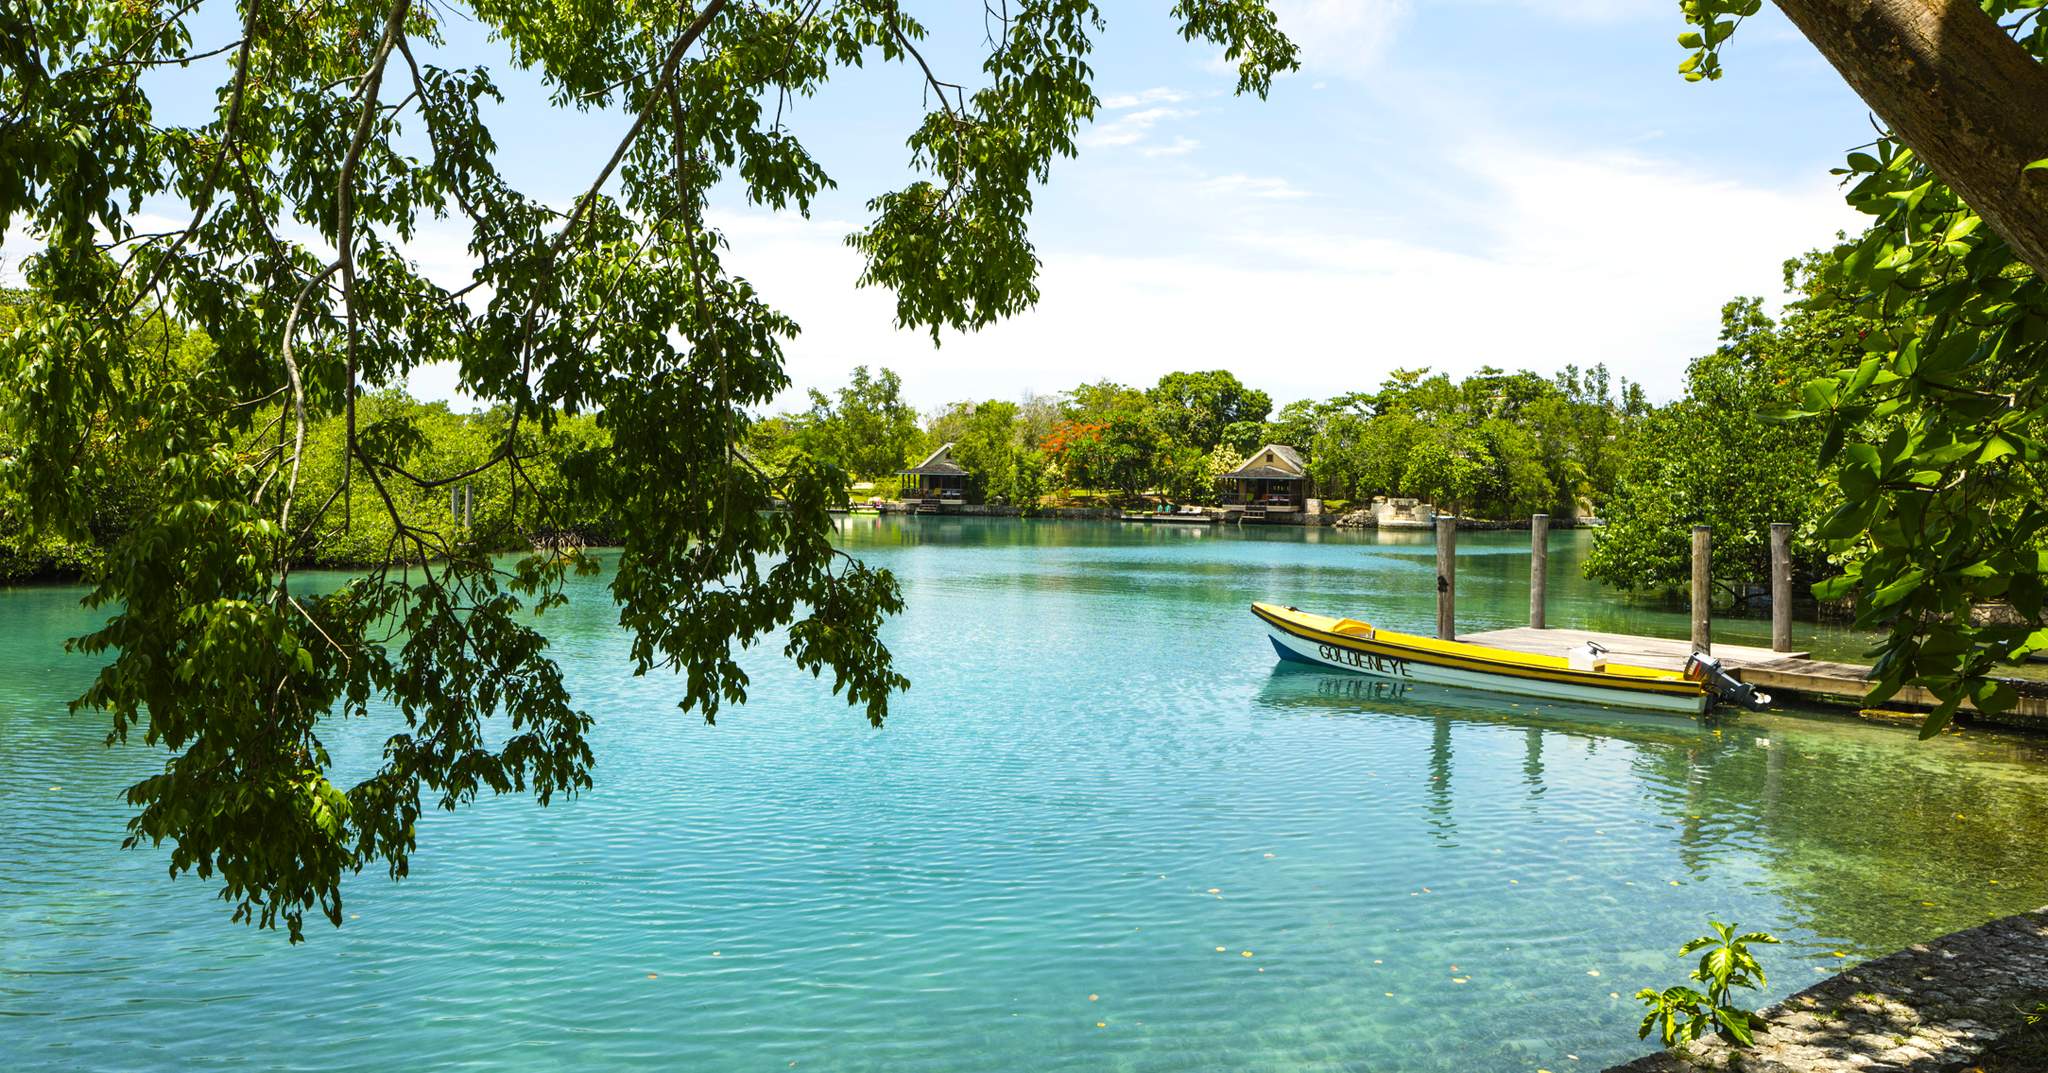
(1350, 645)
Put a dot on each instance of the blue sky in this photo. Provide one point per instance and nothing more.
(1446, 183)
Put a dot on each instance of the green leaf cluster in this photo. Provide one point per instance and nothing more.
(864, 428)
(1723, 456)
(1496, 444)
(1682, 1014)
(992, 443)
(1717, 20)
(340, 130)
(1501, 444)
(1936, 425)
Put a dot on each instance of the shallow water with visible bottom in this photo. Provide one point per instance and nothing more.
(1104, 830)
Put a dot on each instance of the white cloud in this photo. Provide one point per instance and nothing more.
(1155, 95)
(1578, 259)
(1599, 10)
(439, 249)
(14, 249)
(1269, 187)
(1131, 127)
(17, 245)
(1341, 36)
(1524, 257)
(1181, 145)
(1352, 37)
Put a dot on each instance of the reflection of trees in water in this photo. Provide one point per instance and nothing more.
(1371, 570)
(1179, 563)
(1440, 818)
(1303, 688)
(1532, 762)
(1858, 826)
(1851, 826)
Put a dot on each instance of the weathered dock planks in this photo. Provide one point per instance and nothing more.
(1788, 675)
(1660, 652)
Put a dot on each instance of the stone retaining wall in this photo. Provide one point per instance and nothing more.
(1938, 1006)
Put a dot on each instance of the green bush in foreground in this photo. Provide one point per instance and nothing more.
(1682, 1014)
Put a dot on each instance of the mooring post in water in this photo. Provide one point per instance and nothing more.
(1539, 566)
(1446, 577)
(1702, 562)
(1781, 586)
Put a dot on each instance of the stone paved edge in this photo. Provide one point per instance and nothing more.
(1932, 1006)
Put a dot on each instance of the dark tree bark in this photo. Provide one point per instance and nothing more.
(1965, 96)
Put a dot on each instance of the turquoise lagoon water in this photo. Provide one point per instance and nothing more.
(1103, 831)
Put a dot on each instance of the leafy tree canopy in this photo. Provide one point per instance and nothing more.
(865, 428)
(992, 443)
(1195, 408)
(1938, 421)
(1121, 449)
(340, 129)
(1499, 445)
(1719, 457)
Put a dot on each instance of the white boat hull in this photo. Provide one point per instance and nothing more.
(1305, 650)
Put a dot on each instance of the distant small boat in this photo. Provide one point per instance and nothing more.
(1350, 645)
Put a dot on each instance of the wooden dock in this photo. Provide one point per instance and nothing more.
(1785, 675)
(1660, 652)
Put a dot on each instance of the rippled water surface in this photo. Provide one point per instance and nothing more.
(1103, 831)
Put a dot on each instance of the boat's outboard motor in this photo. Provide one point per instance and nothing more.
(1708, 671)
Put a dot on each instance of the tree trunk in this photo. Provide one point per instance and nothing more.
(1966, 97)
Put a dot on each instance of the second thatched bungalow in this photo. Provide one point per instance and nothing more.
(936, 484)
(1273, 481)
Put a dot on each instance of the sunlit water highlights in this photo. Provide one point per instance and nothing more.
(1103, 831)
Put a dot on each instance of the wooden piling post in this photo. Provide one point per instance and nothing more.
(1781, 586)
(1702, 564)
(1446, 577)
(1539, 566)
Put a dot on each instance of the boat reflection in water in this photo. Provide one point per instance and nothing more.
(1865, 836)
(1305, 687)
